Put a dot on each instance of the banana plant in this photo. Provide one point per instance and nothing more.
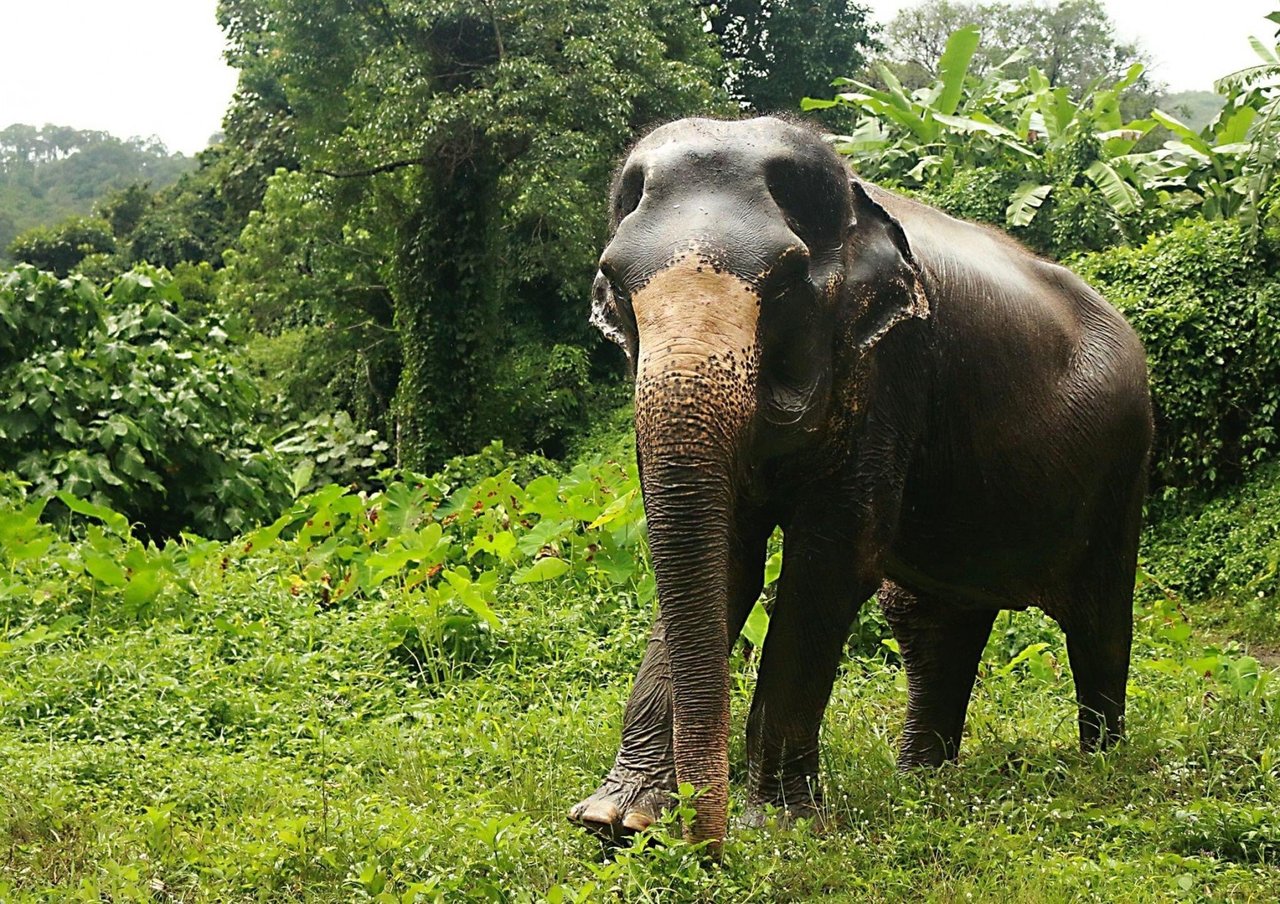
(911, 134)
(1048, 111)
(1257, 88)
(1027, 126)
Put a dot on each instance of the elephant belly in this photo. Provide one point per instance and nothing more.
(990, 544)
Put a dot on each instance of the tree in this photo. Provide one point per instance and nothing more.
(777, 52)
(112, 397)
(59, 249)
(124, 209)
(473, 142)
(51, 173)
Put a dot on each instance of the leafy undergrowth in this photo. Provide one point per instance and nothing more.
(396, 697)
(1226, 555)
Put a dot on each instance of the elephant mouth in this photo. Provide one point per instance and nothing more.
(791, 405)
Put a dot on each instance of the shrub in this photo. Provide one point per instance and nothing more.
(1228, 552)
(332, 449)
(61, 248)
(1204, 300)
(114, 398)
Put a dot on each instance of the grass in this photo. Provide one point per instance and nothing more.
(250, 736)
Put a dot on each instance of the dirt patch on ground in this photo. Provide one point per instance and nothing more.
(1266, 654)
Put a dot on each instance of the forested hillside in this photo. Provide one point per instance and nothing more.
(50, 173)
(323, 560)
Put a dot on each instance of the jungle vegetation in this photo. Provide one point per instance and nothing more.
(322, 559)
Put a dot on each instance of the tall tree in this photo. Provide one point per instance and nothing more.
(473, 142)
(777, 52)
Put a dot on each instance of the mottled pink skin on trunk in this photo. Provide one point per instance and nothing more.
(695, 396)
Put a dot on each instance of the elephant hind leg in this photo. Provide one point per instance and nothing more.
(1097, 617)
(941, 644)
(1099, 629)
(1098, 648)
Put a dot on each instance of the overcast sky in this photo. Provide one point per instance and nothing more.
(154, 67)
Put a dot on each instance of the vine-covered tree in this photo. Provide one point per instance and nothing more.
(464, 148)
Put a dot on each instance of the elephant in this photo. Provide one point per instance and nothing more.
(924, 407)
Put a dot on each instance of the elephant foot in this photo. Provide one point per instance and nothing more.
(626, 802)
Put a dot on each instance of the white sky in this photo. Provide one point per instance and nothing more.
(154, 67)
(129, 67)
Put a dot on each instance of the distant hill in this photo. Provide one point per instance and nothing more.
(48, 174)
(1196, 108)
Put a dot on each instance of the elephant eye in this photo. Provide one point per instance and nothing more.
(628, 193)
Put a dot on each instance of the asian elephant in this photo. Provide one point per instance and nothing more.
(923, 407)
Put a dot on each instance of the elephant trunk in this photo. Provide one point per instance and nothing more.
(688, 493)
(696, 380)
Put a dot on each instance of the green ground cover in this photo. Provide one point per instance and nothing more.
(397, 697)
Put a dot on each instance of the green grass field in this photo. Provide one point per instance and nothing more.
(398, 698)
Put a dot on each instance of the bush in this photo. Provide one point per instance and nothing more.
(61, 248)
(1226, 552)
(114, 398)
(331, 449)
(1206, 304)
(541, 399)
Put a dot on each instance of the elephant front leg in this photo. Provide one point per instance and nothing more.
(819, 594)
(643, 778)
(642, 781)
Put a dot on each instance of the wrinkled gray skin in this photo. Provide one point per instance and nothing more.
(924, 407)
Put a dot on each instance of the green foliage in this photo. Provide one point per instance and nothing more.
(53, 173)
(1073, 42)
(476, 189)
(114, 398)
(188, 222)
(331, 449)
(1047, 157)
(1255, 88)
(1203, 299)
(61, 248)
(542, 397)
(1227, 553)
(395, 696)
(777, 52)
(313, 296)
(1064, 162)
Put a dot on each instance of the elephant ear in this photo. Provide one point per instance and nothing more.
(883, 281)
(608, 317)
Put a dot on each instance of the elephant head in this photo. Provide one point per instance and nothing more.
(744, 269)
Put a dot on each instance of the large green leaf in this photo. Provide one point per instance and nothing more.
(953, 68)
(544, 569)
(1181, 129)
(756, 626)
(1122, 140)
(115, 522)
(1233, 127)
(1123, 197)
(972, 124)
(1024, 203)
(1265, 53)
